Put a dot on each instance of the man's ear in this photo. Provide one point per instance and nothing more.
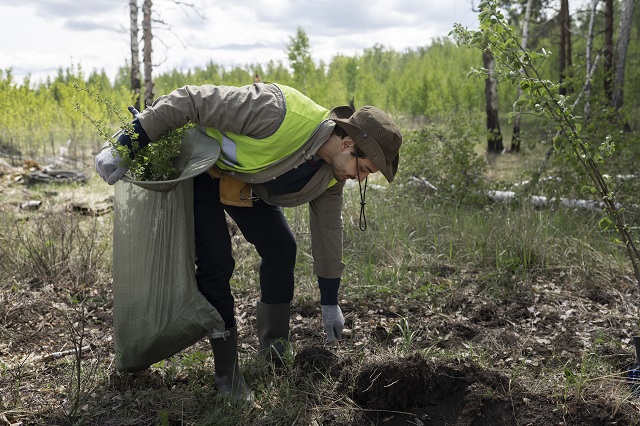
(346, 143)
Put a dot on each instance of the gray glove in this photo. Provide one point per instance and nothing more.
(333, 322)
(109, 166)
(108, 163)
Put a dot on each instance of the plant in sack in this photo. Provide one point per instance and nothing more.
(154, 162)
(177, 156)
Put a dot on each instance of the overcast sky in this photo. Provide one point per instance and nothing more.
(40, 36)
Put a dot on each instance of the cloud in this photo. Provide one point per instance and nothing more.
(83, 25)
(52, 9)
(246, 46)
(94, 33)
(325, 17)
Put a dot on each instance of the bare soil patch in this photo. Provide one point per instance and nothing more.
(553, 350)
(522, 337)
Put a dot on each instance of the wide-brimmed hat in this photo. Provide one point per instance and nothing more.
(374, 133)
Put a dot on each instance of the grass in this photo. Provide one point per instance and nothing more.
(506, 287)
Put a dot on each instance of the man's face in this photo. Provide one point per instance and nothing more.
(346, 166)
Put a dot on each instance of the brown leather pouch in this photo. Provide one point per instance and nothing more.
(233, 192)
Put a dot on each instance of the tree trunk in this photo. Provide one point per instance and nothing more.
(608, 49)
(624, 34)
(147, 50)
(589, 64)
(494, 137)
(135, 54)
(515, 139)
(564, 56)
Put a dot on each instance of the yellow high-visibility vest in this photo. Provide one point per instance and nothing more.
(245, 154)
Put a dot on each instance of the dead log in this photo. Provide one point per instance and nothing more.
(55, 176)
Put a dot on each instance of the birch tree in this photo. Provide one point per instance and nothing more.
(515, 140)
(135, 53)
(589, 66)
(147, 52)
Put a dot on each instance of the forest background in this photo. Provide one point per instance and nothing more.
(424, 83)
(445, 252)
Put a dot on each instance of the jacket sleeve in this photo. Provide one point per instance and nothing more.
(325, 219)
(256, 110)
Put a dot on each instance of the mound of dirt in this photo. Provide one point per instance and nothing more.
(415, 390)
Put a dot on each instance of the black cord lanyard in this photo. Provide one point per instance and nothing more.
(362, 224)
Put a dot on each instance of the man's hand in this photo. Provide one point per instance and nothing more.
(333, 322)
(109, 166)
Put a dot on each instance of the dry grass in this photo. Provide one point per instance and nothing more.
(432, 290)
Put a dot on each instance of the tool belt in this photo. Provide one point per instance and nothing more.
(233, 192)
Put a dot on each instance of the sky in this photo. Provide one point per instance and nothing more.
(38, 37)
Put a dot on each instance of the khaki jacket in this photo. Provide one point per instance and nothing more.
(257, 111)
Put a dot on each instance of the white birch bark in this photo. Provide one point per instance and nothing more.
(147, 52)
(515, 143)
(135, 53)
(589, 65)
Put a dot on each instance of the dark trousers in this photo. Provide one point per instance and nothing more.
(263, 225)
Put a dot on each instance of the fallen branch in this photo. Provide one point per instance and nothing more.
(541, 201)
(61, 354)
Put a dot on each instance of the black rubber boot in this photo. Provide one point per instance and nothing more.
(273, 329)
(228, 378)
